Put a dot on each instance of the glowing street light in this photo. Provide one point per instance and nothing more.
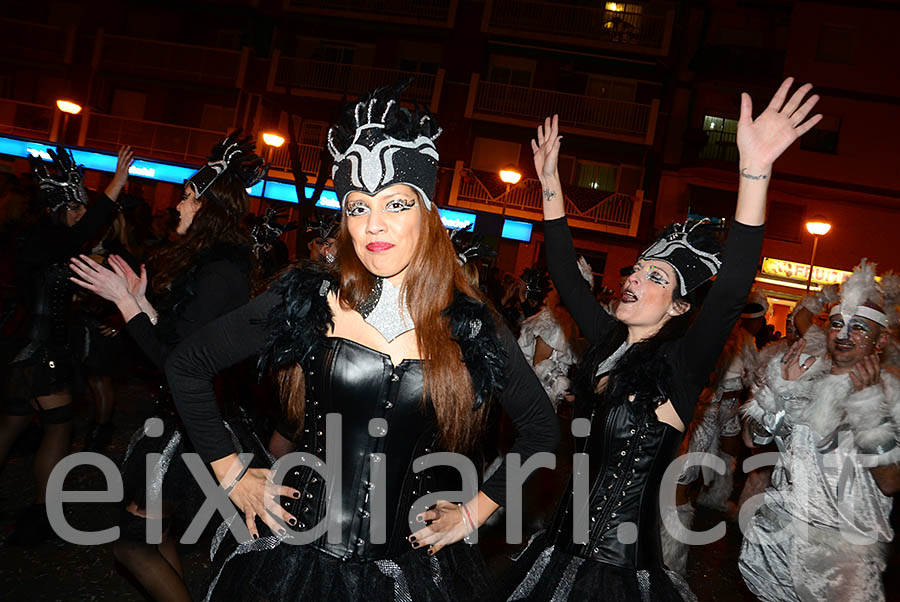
(510, 176)
(817, 226)
(273, 139)
(68, 107)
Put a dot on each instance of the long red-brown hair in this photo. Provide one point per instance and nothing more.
(431, 278)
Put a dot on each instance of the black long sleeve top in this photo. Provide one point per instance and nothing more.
(52, 243)
(219, 286)
(243, 333)
(694, 355)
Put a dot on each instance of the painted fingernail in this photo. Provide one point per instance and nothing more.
(296, 495)
(415, 545)
(282, 532)
(255, 536)
(420, 518)
(411, 538)
(292, 521)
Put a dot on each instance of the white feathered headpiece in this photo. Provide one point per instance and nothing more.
(860, 287)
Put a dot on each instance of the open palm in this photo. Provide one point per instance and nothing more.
(762, 140)
(546, 148)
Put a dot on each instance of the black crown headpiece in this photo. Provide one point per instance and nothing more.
(64, 186)
(537, 283)
(324, 225)
(677, 247)
(233, 157)
(470, 248)
(267, 229)
(378, 143)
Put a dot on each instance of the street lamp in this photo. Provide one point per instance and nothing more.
(67, 107)
(511, 177)
(272, 141)
(817, 226)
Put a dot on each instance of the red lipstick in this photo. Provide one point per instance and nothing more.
(377, 247)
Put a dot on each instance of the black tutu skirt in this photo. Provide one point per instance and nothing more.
(37, 371)
(180, 494)
(268, 570)
(544, 574)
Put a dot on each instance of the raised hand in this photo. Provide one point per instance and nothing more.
(546, 148)
(126, 158)
(762, 140)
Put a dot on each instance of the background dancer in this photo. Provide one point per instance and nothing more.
(648, 364)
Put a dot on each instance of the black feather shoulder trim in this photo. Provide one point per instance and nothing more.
(302, 319)
(474, 329)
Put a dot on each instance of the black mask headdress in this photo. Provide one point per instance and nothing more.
(267, 229)
(233, 157)
(377, 144)
(473, 247)
(678, 247)
(324, 225)
(66, 186)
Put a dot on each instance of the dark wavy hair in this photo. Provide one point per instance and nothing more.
(217, 221)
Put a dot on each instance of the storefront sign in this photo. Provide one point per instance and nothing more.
(800, 271)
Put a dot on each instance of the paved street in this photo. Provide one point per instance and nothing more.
(61, 571)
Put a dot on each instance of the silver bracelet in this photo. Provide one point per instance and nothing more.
(237, 478)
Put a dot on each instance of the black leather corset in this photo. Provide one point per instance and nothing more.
(52, 304)
(360, 384)
(629, 450)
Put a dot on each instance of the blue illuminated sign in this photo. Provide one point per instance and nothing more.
(155, 170)
(457, 220)
(516, 230)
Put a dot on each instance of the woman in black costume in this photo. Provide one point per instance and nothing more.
(39, 379)
(202, 276)
(394, 340)
(647, 366)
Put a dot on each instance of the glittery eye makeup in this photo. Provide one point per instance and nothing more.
(399, 205)
(357, 207)
(654, 274)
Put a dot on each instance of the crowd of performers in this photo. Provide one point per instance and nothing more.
(391, 326)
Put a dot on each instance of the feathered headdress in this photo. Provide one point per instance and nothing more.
(377, 143)
(234, 158)
(267, 229)
(63, 186)
(473, 248)
(860, 288)
(757, 305)
(681, 246)
(890, 288)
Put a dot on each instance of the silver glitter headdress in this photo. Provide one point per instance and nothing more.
(377, 143)
(234, 156)
(65, 186)
(693, 266)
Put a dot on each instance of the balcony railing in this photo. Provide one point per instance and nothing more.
(310, 156)
(587, 115)
(150, 138)
(616, 213)
(27, 41)
(168, 60)
(318, 78)
(582, 25)
(26, 119)
(434, 13)
(720, 146)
